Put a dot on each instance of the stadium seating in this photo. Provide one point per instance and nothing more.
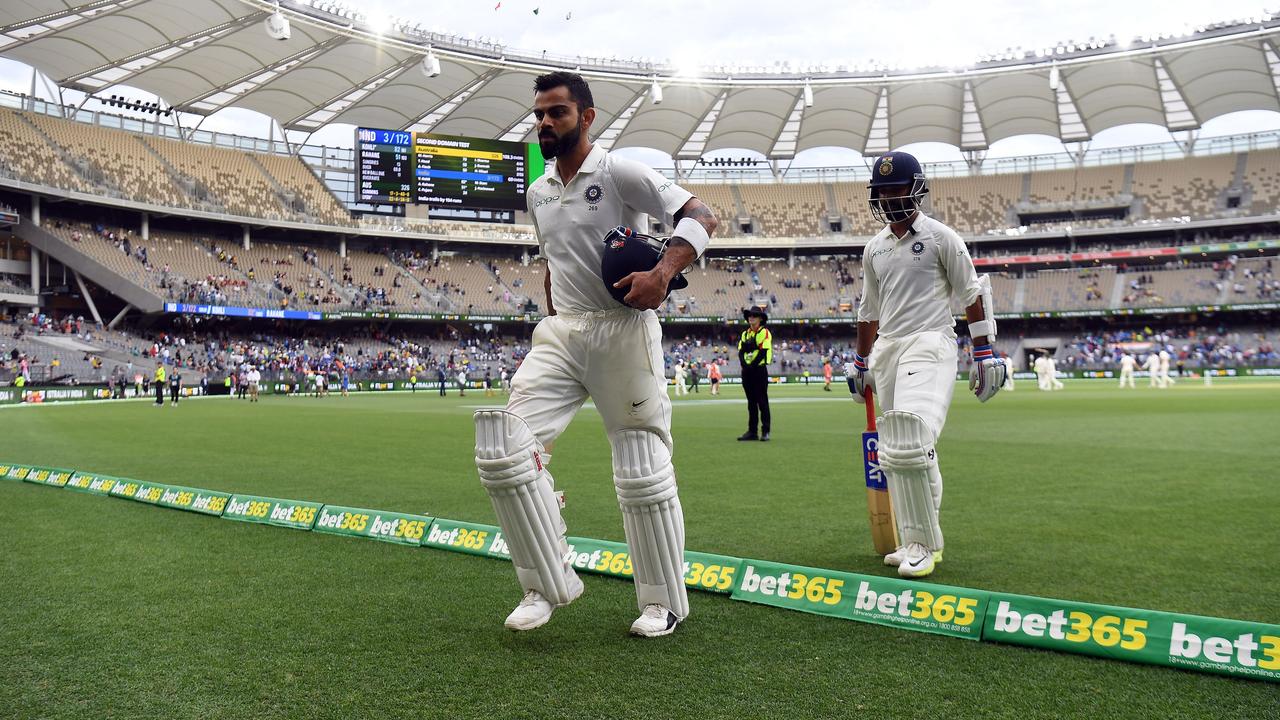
(126, 164)
(25, 155)
(1191, 187)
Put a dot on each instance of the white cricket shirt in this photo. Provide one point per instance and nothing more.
(571, 220)
(909, 281)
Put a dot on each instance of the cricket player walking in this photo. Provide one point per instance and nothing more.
(906, 348)
(1127, 364)
(1152, 366)
(591, 345)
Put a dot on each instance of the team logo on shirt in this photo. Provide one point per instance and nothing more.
(917, 247)
(593, 194)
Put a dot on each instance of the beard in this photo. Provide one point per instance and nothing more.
(553, 147)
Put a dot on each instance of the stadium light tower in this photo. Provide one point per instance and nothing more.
(808, 94)
(1054, 77)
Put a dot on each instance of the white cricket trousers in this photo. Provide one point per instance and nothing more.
(916, 374)
(614, 357)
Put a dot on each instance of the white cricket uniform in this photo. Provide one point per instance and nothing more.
(1051, 370)
(1127, 364)
(908, 287)
(909, 283)
(1165, 380)
(594, 346)
(678, 380)
(1153, 368)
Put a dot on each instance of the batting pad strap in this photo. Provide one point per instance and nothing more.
(523, 498)
(651, 517)
(691, 231)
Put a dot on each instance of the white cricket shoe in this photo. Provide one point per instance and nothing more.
(535, 610)
(894, 559)
(655, 621)
(917, 561)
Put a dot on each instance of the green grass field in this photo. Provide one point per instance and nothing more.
(113, 609)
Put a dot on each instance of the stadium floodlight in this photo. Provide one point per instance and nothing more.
(655, 92)
(431, 64)
(808, 94)
(1054, 77)
(277, 25)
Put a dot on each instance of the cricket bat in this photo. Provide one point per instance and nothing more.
(884, 531)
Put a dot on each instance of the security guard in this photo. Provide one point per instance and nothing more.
(755, 351)
(158, 383)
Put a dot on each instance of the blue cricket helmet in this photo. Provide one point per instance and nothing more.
(627, 251)
(896, 169)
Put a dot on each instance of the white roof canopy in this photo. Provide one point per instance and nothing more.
(201, 56)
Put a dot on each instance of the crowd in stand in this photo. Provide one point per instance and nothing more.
(1190, 347)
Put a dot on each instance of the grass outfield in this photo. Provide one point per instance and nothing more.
(1154, 499)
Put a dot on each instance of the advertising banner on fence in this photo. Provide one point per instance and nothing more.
(465, 537)
(207, 502)
(702, 571)
(400, 528)
(940, 609)
(150, 493)
(1229, 647)
(91, 483)
(296, 514)
(15, 472)
(56, 477)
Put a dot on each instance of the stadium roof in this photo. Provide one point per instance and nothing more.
(202, 56)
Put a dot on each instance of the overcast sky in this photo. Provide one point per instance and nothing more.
(848, 32)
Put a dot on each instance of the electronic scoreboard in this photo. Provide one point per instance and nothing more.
(446, 171)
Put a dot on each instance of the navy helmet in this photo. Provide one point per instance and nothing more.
(627, 251)
(896, 169)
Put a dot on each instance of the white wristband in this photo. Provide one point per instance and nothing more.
(691, 231)
(982, 328)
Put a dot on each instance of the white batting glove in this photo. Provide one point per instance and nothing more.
(987, 374)
(859, 378)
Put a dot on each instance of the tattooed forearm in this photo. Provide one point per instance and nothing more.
(697, 210)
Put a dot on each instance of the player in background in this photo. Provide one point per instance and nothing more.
(462, 381)
(678, 377)
(906, 348)
(1152, 366)
(1165, 380)
(1042, 375)
(1051, 372)
(826, 374)
(1127, 364)
(591, 345)
(255, 381)
(715, 376)
(504, 379)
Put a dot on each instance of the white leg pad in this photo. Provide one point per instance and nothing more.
(652, 518)
(512, 472)
(910, 463)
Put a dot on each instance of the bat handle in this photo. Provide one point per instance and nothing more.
(871, 409)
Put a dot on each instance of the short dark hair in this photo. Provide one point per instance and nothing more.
(579, 91)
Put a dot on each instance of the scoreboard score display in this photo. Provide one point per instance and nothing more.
(450, 171)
